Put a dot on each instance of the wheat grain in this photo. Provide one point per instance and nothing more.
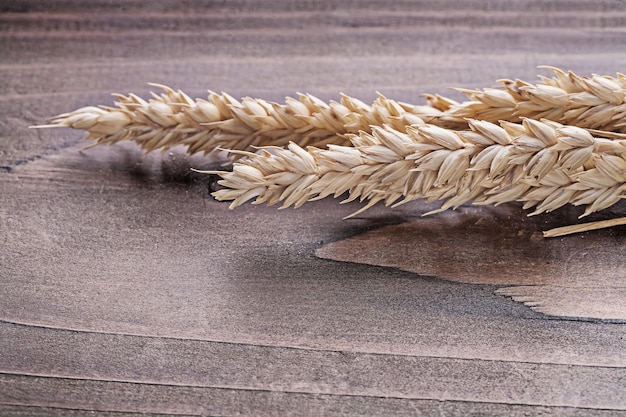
(543, 164)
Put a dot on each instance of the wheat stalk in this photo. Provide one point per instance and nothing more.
(541, 163)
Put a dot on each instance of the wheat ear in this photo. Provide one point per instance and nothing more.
(541, 163)
(597, 102)
(222, 122)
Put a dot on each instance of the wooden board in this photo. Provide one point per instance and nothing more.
(126, 289)
(581, 276)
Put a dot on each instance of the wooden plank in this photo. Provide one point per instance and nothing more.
(159, 363)
(126, 290)
(580, 277)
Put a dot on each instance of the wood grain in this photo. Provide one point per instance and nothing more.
(579, 277)
(127, 290)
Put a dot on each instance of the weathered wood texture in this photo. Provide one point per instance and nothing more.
(580, 277)
(127, 290)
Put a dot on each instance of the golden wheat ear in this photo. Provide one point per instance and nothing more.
(172, 118)
(544, 164)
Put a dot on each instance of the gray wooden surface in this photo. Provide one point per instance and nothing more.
(127, 290)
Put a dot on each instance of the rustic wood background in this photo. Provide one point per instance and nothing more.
(127, 290)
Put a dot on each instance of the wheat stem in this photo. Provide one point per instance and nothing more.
(585, 227)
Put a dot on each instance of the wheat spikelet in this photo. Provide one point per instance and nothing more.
(222, 122)
(597, 102)
(541, 163)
